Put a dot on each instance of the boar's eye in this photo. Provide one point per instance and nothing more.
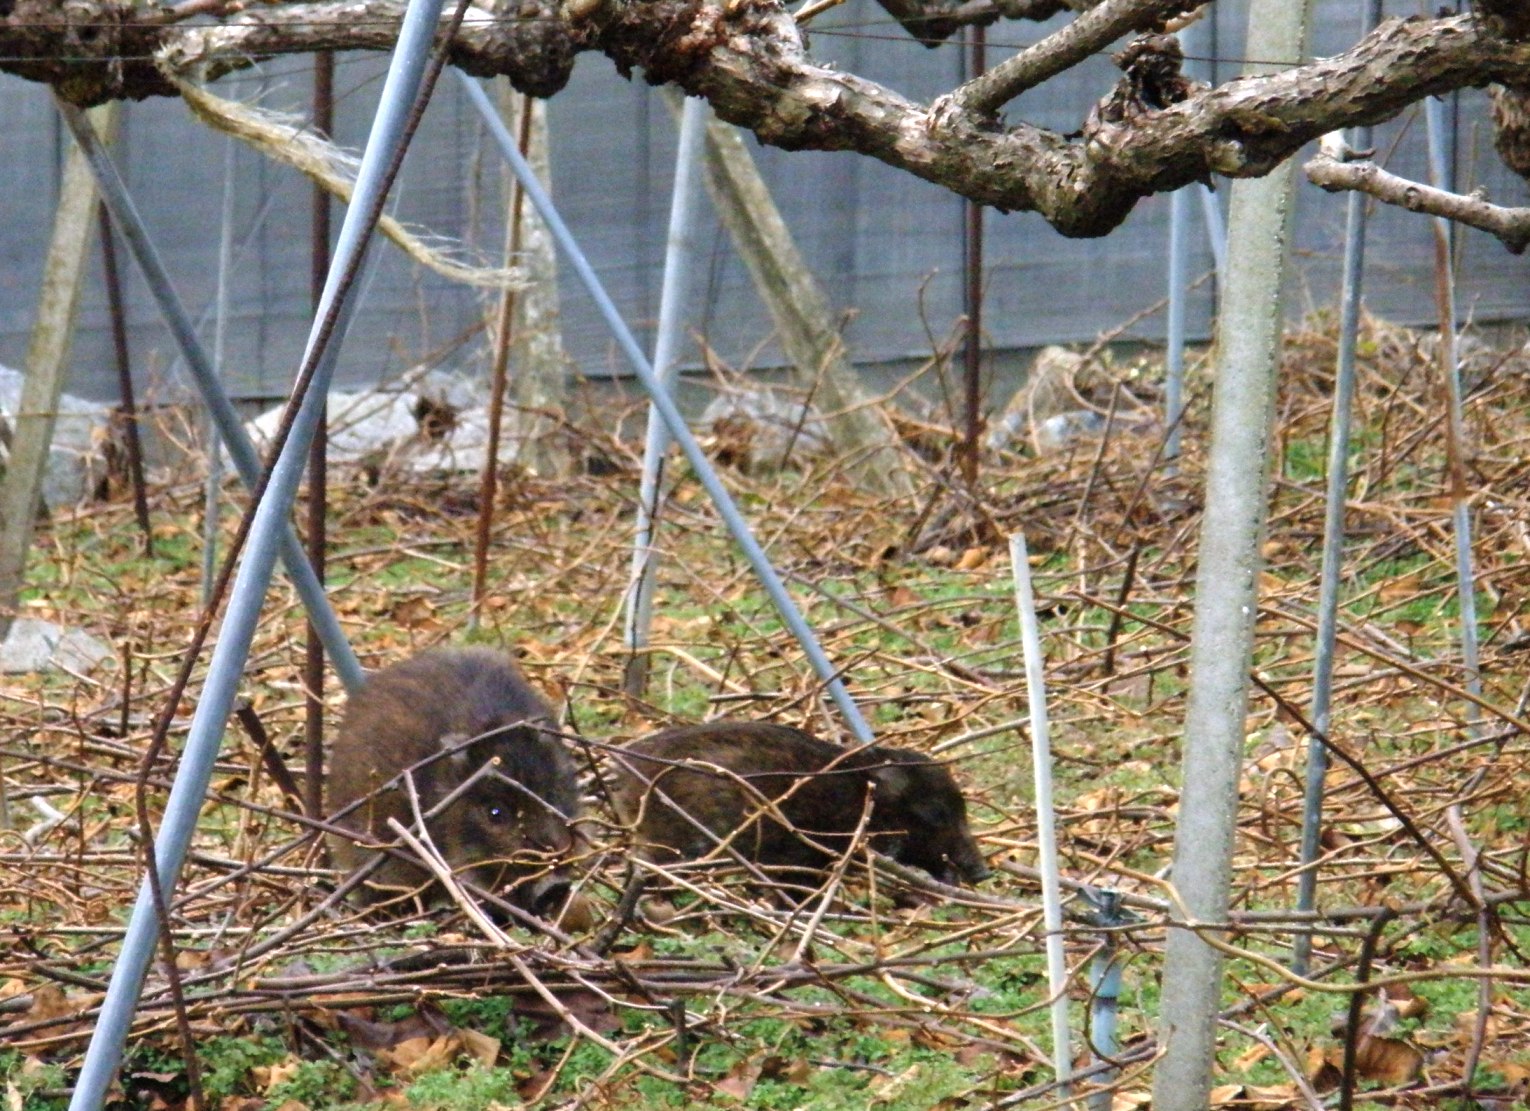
(497, 815)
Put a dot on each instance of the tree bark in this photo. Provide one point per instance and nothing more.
(1226, 598)
(47, 363)
(751, 61)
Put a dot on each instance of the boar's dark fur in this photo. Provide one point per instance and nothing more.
(445, 714)
(668, 788)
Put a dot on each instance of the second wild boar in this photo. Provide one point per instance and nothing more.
(686, 790)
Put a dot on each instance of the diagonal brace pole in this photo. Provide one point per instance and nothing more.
(254, 576)
(230, 428)
(669, 412)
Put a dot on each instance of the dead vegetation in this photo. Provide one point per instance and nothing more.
(935, 997)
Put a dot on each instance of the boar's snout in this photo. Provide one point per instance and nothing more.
(969, 862)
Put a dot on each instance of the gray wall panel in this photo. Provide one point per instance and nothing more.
(885, 246)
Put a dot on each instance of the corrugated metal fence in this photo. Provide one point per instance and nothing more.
(886, 246)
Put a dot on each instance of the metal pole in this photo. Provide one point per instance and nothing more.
(670, 414)
(1046, 809)
(318, 459)
(230, 428)
(125, 404)
(1445, 279)
(499, 380)
(1216, 231)
(212, 493)
(972, 298)
(254, 575)
(1195, 43)
(1179, 296)
(678, 257)
(1105, 982)
(1333, 537)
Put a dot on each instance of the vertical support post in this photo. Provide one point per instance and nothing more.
(47, 364)
(127, 407)
(504, 325)
(1174, 341)
(212, 493)
(1440, 170)
(1194, 41)
(972, 298)
(1105, 982)
(318, 469)
(679, 250)
(1046, 823)
(791, 616)
(1243, 413)
(254, 575)
(1333, 535)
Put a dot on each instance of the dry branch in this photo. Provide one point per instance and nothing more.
(1510, 225)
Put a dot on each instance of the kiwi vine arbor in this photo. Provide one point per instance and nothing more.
(1153, 132)
(752, 60)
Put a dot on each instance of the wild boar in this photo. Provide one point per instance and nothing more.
(493, 780)
(685, 790)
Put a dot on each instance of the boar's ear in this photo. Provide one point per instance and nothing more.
(894, 782)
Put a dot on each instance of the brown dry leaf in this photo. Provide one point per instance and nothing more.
(1517, 1074)
(1400, 589)
(1225, 1093)
(292, 1105)
(268, 1076)
(969, 1056)
(414, 613)
(972, 559)
(1271, 1097)
(1334, 839)
(739, 1081)
(1407, 1003)
(940, 556)
(1136, 687)
(986, 633)
(934, 1039)
(791, 1070)
(1392, 1061)
(1251, 1056)
(417, 1056)
(480, 1047)
(587, 1006)
(366, 1034)
(49, 1001)
(190, 960)
(1132, 1100)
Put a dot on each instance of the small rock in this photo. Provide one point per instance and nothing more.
(757, 428)
(36, 645)
(76, 461)
(434, 423)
